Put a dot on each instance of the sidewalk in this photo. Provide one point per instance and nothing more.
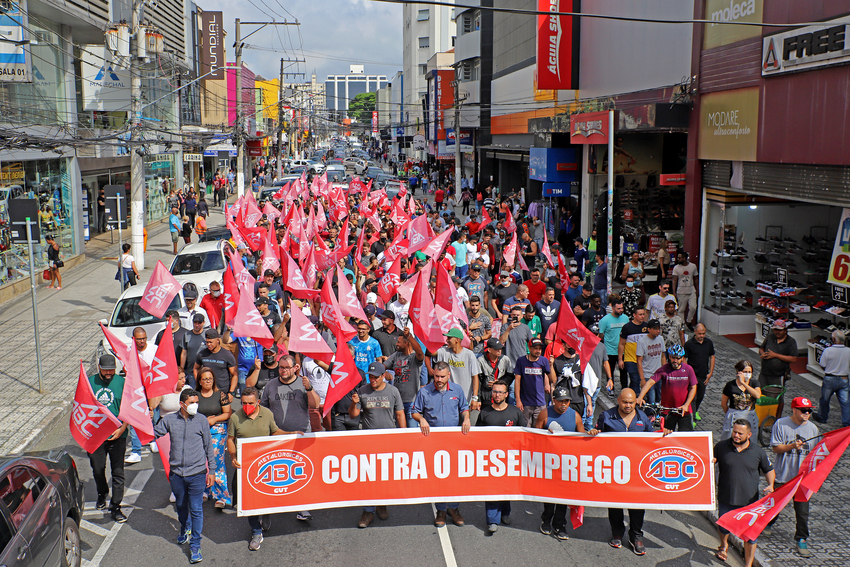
(68, 332)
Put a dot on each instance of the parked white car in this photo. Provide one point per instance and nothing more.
(202, 264)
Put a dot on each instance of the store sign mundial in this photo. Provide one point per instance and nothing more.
(806, 48)
(733, 13)
(729, 125)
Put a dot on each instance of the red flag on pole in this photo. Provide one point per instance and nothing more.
(254, 237)
(91, 422)
(270, 259)
(164, 446)
(438, 244)
(422, 315)
(249, 322)
(161, 377)
(344, 376)
(332, 316)
(485, 220)
(577, 516)
(820, 461)
(575, 334)
(161, 289)
(305, 339)
(510, 224)
(231, 296)
(748, 522)
(121, 349)
(134, 401)
(242, 276)
(419, 234)
(389, 283)
(546, 253)
(510, 251)
(349, 305)
(295, 281)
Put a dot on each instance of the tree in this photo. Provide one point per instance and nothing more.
(362, 106)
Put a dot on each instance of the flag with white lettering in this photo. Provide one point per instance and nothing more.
(91, 422)
(438, 244)
(510, 224)
(510, 252)
(134, 400)
(574, 333)
(749, 521)
(332, 316)
(249, 322)
(821, 460)
(545, 250)
(348, 302)
(161, 376)
(419, 234)
(161, 289)
(304, 338)
(389, 282)
(231, 296)
(344, 376)
(422, 314)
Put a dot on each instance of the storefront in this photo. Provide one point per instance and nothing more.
(159, 180)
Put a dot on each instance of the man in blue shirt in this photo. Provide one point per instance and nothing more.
(625, 418)
(442, 404)
(175, 225)
(366, 349)
(248, 352)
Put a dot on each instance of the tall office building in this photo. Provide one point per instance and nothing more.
(341, 89)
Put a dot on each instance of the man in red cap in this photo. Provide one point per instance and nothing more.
(793, 437)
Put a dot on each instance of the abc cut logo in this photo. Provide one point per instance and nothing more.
(280, 472)
(672, 469)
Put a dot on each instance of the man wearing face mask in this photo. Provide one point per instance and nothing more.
(190, 458)
(213, 303)
(108, 388)
(265, 371)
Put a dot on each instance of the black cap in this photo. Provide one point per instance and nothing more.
(212, 334)
(272, 348)
(190, 293)
(475, 267)
(579, 239)
(370, 281)
(261, 300)
(494, 344)
(198, 317)
(587, 286)
(376, 369)
(561, 393)
(268, 273)
(387, 314)
(107, 362)
(536, 341)
(313, 319)
(653, 324)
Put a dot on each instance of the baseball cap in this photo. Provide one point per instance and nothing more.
(387, 314)
(456, 279)
(376, 369)
(268, 273)
(198, 318)
(313, 319)
(653, 324)
(573, 263)
(371, 298)
(369, 310)
(505, 274)
(587, 286)
(107, 362)
(212, 334)
(779, 324)
(475, 267)
(801, 402)
(495, 344)
(456, 333)
(190, 293)
(261, 300)
(272, 348)
(536, 341)
(370, 281)
(561, 393)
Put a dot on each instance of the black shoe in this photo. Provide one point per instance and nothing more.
(546, 528)
(118, 516)
(101, 502)
(615, 542)
(561, 534)
(637, 546)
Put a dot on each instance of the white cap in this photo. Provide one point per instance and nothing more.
(371, 298)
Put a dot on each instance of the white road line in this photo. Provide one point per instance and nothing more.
(445, 543)
(94, 528)
(134, 490)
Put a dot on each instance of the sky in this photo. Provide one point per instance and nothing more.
(333, 35)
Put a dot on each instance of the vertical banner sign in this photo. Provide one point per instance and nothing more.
(212, 51)
(557, 46)
(444, 100)
(375, 123)
(15, 62)
(839, 267)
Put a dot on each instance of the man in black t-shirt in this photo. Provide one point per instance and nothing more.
(594, 313)
(406, 364)
(190, 345)
(506, 288)
(568, 375)
(388, 334)
(699, 354)
(499, 414)
(270, 317)
(220, 360)
(177, 332)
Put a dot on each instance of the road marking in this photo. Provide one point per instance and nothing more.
(134, 490)
(94, 528)
(445, 543)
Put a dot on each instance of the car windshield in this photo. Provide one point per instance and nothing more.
(196, 263)
(128, 313)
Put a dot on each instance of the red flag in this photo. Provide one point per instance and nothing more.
(164, 446)
(134, 401)
(254, 237)
(305, 339)
(271, 212)
(344, 376)
(419, 234)
(426, 327)
(358, 252)
(321, 217)
(349, 305)
(510, 225)
(571, 331)
(521, 262)
(309, 268)
(251, 214)
(121, 349)
(509, 253)
(161, 289)
(397, 249)
(294, 279)
(399, 216)
(249, 322)
(234, 232)
(546, 253)
(161, 377)
(820, 461)
(748, 522)
(577, 516)
(310, 229)
(332, 316)
(270, 259)
(446, 295)
(485, 220)
(438, 244)
(242, 276)
(563, 274)
(281, 192)
(91, 422)
(231, 296)
(388, 285)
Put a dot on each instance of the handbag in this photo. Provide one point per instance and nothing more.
(59, 264)
(46, 274)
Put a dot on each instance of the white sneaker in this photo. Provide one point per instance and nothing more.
(172, 498)
(154, 447)
(133, 458)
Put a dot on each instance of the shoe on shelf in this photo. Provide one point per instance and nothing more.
(365, 519)
(101, 502)
(196, 556)
(133, 458)
(637, 546)
(256, 541)
(184, 537)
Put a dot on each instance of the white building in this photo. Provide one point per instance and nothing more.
(341, 89)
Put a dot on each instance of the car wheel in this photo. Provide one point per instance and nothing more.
(71, 553)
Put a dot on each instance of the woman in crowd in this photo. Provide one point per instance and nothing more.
(738, 400)
(128, 267)
(215, 405)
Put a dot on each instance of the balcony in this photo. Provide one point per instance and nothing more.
(468, 45)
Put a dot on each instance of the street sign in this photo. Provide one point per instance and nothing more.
(19, 211)
(188, 158)
(115, 209)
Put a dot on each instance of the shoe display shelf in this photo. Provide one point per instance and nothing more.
(726, 267)
(837, 317)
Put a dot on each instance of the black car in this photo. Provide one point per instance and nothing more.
(218, 233)
(41, 505)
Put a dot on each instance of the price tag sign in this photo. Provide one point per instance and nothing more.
(765, 329)
(782, 276)
(839, 294)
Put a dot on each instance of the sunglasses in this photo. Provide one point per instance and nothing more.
(807, 410)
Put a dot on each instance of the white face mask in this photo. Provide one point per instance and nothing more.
(216, 293)
(192, 409)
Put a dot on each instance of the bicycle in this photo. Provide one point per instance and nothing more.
(657, 413)
(767, 409)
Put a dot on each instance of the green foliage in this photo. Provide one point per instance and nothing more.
(362, 106)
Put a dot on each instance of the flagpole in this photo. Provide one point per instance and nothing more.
(610, 201)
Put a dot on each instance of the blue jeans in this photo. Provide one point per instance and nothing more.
(653, 396)
(588, 421)
(441, 506)
(408, 411)
(254, 522)
(243, 376)
(460, 271)
(189, 495)
(135, 444)
(839, 387)
(495, 511)
(631, 369)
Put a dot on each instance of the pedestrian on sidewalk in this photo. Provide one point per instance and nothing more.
(215, 406)
(836, 368)
(740, 463)
(175, 226)
(792, 439)
(738, 400)
(108, 387)
(54, 262)
(699, 354)
(778, 352)
(186, 233)
(190, 457)
(129, 273)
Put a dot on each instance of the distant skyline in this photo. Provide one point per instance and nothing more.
(335, 34)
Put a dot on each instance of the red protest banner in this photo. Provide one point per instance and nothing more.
(336, 469)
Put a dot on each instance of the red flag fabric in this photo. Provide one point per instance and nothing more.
(546, 253)
(388, 285)
(160, 290)
(295, 281)
(426, 327)
(251, 214)
(349, 305)
(510, 225)
(242, 276)
(563, 274)
(575, 334)
(438, 244)
(134, 401)
(485, 220)
(270, 259)
(161, 377)
(231, 296)
(749, 521)
(164, 446)
(397, 249)
(358, 252)
(271, 212)
(234, 232)
(309, 268)
(510, 251)
(577, 516)
(91, 422)
(820, 461)
(121, 349)
(344, 376)
(446, 295)
(419, 234)
(254, 237)
(355, 186)
(249, 322)
(332, 316)
(281, 192)
(310, 228)
(399, 217)
(521, 262)
(305, 339)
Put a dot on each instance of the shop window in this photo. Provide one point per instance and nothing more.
(159, 180)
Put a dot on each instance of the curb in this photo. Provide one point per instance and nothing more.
(38, 433)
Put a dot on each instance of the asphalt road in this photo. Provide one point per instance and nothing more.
(408, 537)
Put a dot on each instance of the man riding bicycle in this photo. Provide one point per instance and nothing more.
(678, 389)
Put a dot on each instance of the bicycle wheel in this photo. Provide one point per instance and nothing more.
(765, 430)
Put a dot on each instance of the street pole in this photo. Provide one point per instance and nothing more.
(280, 125)
(240, 143)
(30, 244)
(610, 201)
(457, 137)
(137, 166)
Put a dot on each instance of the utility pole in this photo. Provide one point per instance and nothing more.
(280, 124)
(137, 166)
(456, 85)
